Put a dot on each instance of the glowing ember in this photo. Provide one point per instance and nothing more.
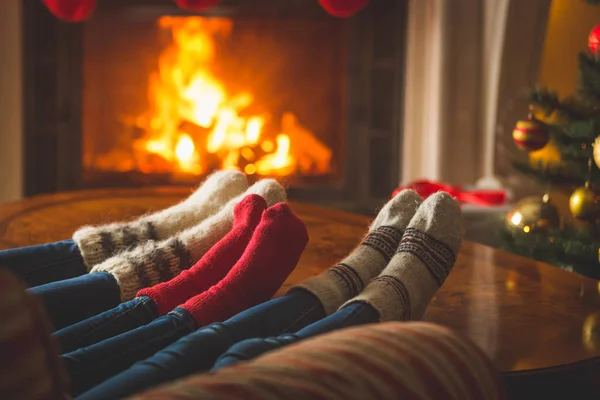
(194, 125)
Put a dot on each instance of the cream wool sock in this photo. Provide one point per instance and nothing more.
(154, 262)
(98, 243)
(346, 279)
(424, 258)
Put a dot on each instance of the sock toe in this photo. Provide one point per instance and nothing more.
(270, 190)
(398, 211)
(440, 216)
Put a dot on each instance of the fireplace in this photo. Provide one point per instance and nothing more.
(144, 93)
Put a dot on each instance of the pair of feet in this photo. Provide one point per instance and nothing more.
(245, 268)
(159, 246)
(406, 256)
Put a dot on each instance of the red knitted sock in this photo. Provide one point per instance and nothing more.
(215, 264)
(272, 254)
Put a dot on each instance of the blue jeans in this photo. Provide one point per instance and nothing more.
(89, 366)
(123, 318)
(351, 315)
(44, 263)
(72, 300)
(198, 351)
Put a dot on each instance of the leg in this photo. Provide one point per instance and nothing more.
(44, 263)
(351, 315)
(199, 350)
(89, 366)
(392, 360)
(123, 318)
(76, 299)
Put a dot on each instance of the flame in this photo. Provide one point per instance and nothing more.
(193, 122)
(280, 163)
(187, 157)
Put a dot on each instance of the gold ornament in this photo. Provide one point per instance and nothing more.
(533, 215)
(584, 203)
(597, 151)
(530, 134)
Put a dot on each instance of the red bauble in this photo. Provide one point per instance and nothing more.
(594, 39)
(196, 5)
(71, 10)
(343, 8)
(531, 134)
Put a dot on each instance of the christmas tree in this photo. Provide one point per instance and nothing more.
(535, 228)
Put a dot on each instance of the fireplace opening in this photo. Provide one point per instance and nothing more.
(175, 98)
(144, 93)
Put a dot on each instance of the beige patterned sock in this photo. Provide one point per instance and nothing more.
(346, 279)
(98, 243)
(154, 262)
(424, 258)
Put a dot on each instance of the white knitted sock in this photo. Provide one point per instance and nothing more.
(154, 262)
(98, 243)
(424, 258)
(346, 279)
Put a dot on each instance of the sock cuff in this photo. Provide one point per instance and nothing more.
(329, 294)
(99, 243)
(205, 308)
(146, 266)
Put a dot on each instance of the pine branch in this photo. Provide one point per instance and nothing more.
(550, 174)
(549, 102)
(589, 78)
(567, 248)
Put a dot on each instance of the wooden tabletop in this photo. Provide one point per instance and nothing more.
(528, 317)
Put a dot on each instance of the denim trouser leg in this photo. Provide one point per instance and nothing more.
(73, 300)
(44, 263)
(94, 364)
(123, 318)
(198, 351)
(351, 315)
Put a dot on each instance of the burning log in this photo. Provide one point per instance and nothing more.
(313, 156)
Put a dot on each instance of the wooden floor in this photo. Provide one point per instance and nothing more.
(539, 325)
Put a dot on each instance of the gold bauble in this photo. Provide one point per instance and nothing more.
(533, 214)
(584, 203)
(597, 151)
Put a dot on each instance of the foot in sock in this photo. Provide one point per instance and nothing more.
(215, 264)
(270, 257)
(424, 258)
(346, 279)
(154, 262)
(401, 291)
(98, 243)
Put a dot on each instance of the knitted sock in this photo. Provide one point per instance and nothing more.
(215, 264)
(154, 262)
(346, 279)
(98, 243)
(272, 254)
(424, 258)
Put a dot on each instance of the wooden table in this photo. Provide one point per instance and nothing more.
(539, 325)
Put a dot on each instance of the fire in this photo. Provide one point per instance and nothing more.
(195, 124)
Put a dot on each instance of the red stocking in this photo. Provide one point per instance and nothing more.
(196, 5)
(343, 8)
(71, 10)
